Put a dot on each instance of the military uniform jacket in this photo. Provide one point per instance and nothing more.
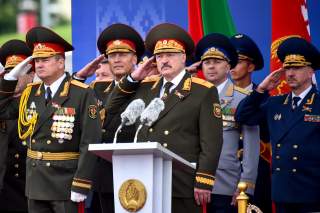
(103, 174)
(73, 110)
(229, 171)
(12, 197)
(294, 136)
(190, 126)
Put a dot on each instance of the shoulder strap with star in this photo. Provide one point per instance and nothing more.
(202, 82)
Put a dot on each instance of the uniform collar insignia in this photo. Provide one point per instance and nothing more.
(65, 90)
(38, 93)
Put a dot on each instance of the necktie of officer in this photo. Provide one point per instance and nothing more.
(166, 87)
(295, 101)
(48, 95)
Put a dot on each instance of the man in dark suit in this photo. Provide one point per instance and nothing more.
(57, 119)
(190, 124)
(122, 46)
(13, 151)
(293, 121)
(250, 60)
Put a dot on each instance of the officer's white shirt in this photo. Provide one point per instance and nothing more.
(221, 86)
(55, 85)
(302, 95)
(176, 80)
(249, 87)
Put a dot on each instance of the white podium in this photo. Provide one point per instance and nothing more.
(142, 175)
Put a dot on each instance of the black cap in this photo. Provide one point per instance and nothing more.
(248, 49)
(168, 37)
(216, 45)
(297, 52)
(13, 52)
(46, 43)
(120, 38)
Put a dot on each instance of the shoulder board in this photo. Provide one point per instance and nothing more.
(93, 83)
(34, 84)
(151, 78)
(79, 84)
(202, 82)
(241, 90)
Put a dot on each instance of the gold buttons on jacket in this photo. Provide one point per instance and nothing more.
(48, 164)
(278, 145)
(33, 140)
(294, 170)
(103, 130)
(166, 132)
(16, 175)
(16, 155)
(39, 155)
(48, 142)
(278, 169)
(33, 164)
(295, 158)
(16, 165)
(150, 130)
(24, 143)
(295, 146)
(277, 157)
(165, 145)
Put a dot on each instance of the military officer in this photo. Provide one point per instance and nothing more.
(122, 46)
(250, 60)
(293, 121)
(57, 119)
(191, 105)
(13, 152)
(218, 56)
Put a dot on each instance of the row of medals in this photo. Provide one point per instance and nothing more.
(62, 127)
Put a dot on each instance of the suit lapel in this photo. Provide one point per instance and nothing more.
(57, 101)
(177, 95)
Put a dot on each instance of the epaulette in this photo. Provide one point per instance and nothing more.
(93, 83)
(241, 90)
(202, 82)
(34, 84)
(151, 78)
(79, 84)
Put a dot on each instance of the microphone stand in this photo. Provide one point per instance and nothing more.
(137, 132)
(116, 134)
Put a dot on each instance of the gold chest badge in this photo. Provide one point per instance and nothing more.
(132, 195)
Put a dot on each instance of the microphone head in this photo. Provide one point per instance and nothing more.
(132, 112)
(152, 111)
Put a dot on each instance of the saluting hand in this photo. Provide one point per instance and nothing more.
(90, 68)
(271, 81)
(143, 70)
(19, 70)
(193, 68)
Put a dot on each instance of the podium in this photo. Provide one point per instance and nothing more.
(142, 175)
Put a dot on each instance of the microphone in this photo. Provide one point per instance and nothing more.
(150, 114)
(130, 115)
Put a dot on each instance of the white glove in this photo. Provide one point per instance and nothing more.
(19, 70)
(77, 197)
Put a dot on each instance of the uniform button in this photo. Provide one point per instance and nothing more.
(278, 157)
(103, 130)
(278, 169)
(16, 155)
(166, 132)
(295, 146)
(16, 175)
(48, 164)
(294, 170)
(16, 165)
(241, 137)
(33, 140)
(33, 164)
(48, 142)
(165, 145)
(295, 158)
(24, 143)
(150, 130)
(278, 145)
